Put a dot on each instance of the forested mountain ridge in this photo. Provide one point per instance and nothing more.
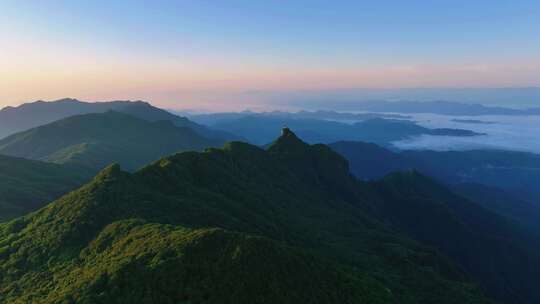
(148, 236)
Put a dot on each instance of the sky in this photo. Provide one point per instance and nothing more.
(212, 54)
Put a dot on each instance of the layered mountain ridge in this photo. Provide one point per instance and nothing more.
(161, 234)
(35, 114)
(260, 128)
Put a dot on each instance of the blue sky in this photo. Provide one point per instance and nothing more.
(178, 50)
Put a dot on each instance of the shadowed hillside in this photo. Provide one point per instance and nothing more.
(27, 185)
(94, 141)
(502, 181)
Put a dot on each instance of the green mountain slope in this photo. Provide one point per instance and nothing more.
(96, 140)
(304, 234)
(26, 185)
(135, 262)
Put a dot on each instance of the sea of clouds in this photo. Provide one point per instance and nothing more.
(518, 133)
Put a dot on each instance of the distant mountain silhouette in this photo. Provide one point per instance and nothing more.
(440, 107)
(215, 118)
(94, 141)
(474, 121)
(30, 115)
(446, 101)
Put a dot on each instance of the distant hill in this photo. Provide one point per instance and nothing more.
(30, 115)
(305, 231)
(262, 128)
(26, 185)
(94, 141)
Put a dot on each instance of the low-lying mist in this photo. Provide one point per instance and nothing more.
(518, 133)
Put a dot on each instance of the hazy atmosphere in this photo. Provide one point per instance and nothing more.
(255, 152)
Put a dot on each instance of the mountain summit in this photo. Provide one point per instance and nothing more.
(287, 141)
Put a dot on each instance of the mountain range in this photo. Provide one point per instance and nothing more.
(287, 224)
(440, 107)
(210, 119)
(235, 225)
(452, 101)
(34, 114)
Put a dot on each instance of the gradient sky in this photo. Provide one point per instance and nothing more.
(200, 54)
